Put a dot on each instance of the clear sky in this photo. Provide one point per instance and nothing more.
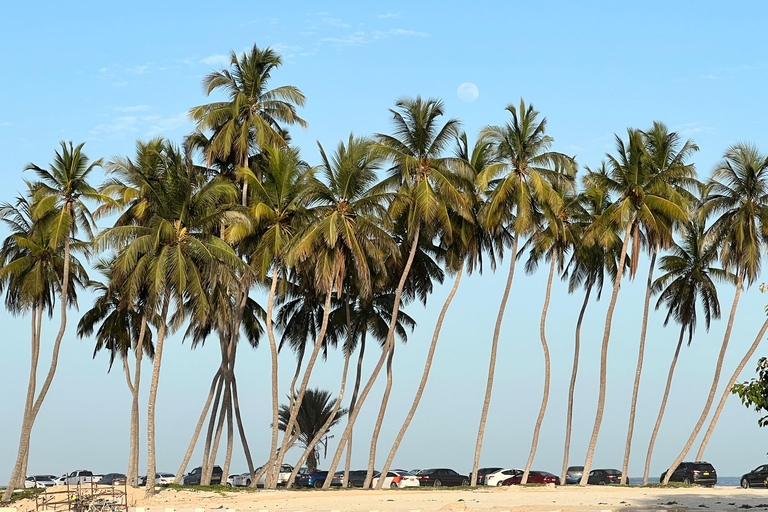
(108, 74)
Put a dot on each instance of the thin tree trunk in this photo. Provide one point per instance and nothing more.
(379, 418)
(353, 402)
(604, 358)
(225, 344)
(36, 348)
(384, 352)
(572, 387)
(273, 353)
(131, 459)
(663, 407)
(424, 377)
(638, 371)
(198, 428)
(37, 311)
(727, 390)
(303, 388)
(17, 476)
(211, 426)
(230, 439)
(713, 389)
(133, 470)
(545, 398)
(492, 365)
(151, 462)
(241, 430)
(208, 470)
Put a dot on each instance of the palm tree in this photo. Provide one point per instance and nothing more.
(687, 279)
(317, 409)
(57, 206)
(738, 192)
(646, 199)
(252, 114)
(666, 155)
(464, 246)
(521, 180)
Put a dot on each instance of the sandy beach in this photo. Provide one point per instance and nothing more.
(512, 499)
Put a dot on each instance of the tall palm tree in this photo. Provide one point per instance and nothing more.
(252, 113)
(516, 184)
(316, 410)
(644, 199)
(667, 155)
(738, 194)
(57, 206)
(688, 278)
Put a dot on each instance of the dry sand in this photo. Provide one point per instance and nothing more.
(513, 499)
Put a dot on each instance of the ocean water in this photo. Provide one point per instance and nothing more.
(722, 481)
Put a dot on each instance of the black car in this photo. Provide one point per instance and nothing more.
(604, 476)
(193, 477)
(758, 477)
(112, 479)
(356, 477)
(482, 473)
(438, 477)
(699, 472)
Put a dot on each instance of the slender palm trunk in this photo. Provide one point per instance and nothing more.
(273, 353)
(713, 389)
(662, 408)
(384, 352)
(32, 384)
(208, 469)
(17, 476)
(604, 358)
(492, 365)
(424, 377)
(303, 388)
(151, 462)
(198, 428)
(241, 431)
(379, 419)
(727, 390)
(211, 427)
(353, 402)
(230, 439)
(572, 387)
(545, 347)
(638, 371)
(133, 458)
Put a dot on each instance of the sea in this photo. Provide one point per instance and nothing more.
(722, 481)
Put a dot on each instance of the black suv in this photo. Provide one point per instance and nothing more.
(699, 472)
(193, 477)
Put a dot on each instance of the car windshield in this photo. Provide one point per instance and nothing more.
(703, 467)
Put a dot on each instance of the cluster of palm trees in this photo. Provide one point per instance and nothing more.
(340, 248)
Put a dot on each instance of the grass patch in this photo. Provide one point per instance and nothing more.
(222, 490)
(22, 494)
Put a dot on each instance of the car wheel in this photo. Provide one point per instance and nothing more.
(687, 481)
(601, 482)
(229, 484)
(499, 483)
(318, 484)
(393, 485)
(438, 483)
(465, 482)
(744, 483)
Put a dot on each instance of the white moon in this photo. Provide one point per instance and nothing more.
(467, 92)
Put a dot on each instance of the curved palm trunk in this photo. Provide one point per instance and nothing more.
(424, 377)
(32, 384)
(492, 365)
(273, 353)
(230, 439)
(638, 371)
(133, 458)
(198, 428)
(151, 462)
(211, 426)
(572, 387)
(545, 398)
(727, 390)
(353, 402)
(604, 358)
(662, 408)
(384, 352)
(379, 419)
(241, 430)
(17, 476)
(208, 469)
(320, 433)
(713, 389)
(302, 390)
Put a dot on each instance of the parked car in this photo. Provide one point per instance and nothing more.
(482, 473)
(62, 480)
(82, 476)
(112, 479)
(356, 477)
(758, 477)
(698, 472)
(241, 480)
(396, 479)
(604, 476)
(193, 477)
(38, 482)
(573, 474)
(282, 476)
(438, 477)
(534, 477)
(316, 479)
(499, 476)
(160, 479)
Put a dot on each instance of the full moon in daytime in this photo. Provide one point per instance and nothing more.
(468, 92)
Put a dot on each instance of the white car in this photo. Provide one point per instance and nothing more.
(282, 477)
(160, 479)
(242, 480)
(38, 481)
(499, 476)
(396, 479)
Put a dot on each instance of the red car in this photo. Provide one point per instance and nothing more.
(534, 477)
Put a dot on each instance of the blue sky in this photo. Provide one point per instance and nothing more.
(108, 75)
